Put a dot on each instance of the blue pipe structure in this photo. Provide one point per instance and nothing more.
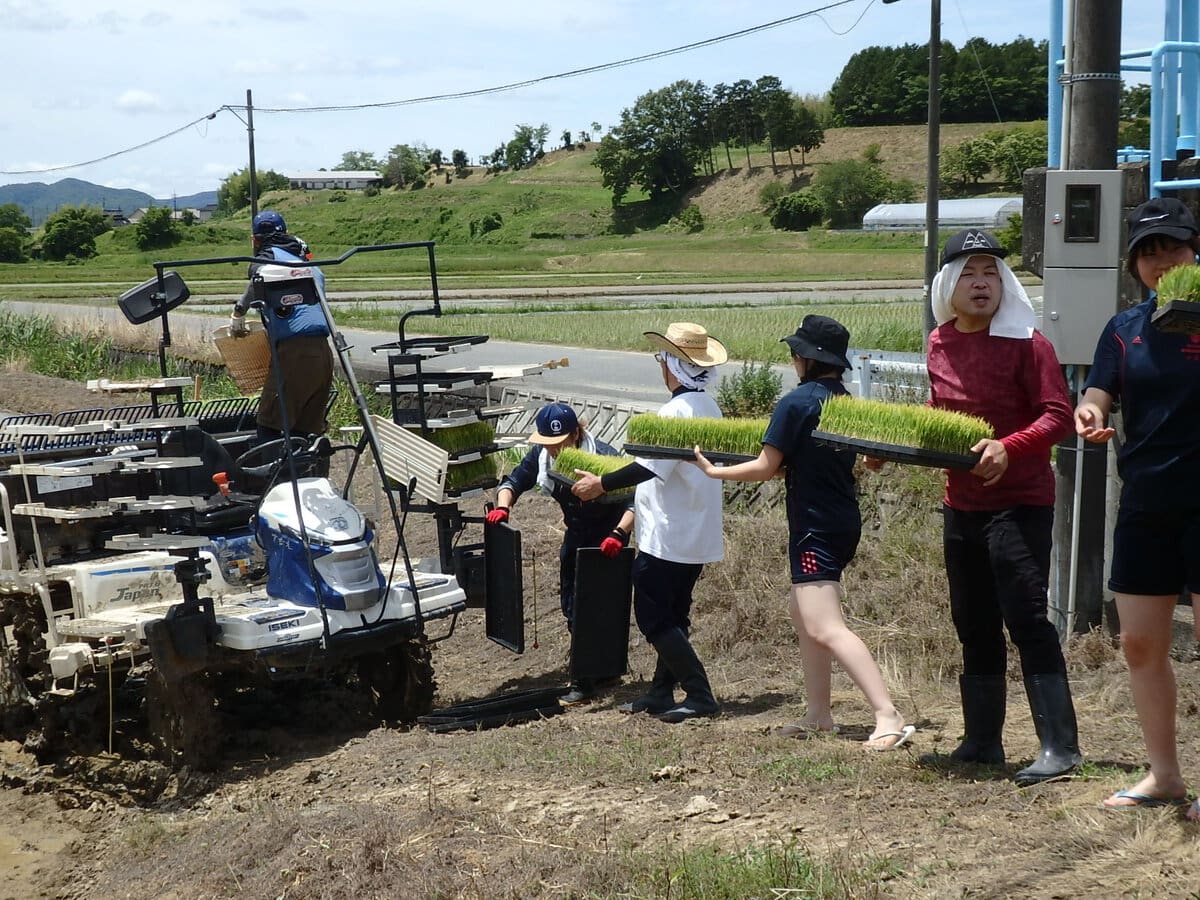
(1054, 91)
(1174, 71)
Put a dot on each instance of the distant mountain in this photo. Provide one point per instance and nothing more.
(39, 200)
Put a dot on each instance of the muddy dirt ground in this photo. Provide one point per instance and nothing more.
(313, 799)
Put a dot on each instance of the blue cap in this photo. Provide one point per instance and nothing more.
(268, 222)
(555, 422)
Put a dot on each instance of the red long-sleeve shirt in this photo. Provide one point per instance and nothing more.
(1017, 386)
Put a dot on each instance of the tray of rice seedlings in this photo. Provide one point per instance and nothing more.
(571, 458)
(721, 440)
(471, 476)
(1179, 301)
(902, 432)
(465, 442)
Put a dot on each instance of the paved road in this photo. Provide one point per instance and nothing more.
(608, 375)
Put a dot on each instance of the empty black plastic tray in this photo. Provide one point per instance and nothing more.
(650, 452)
(912, 456)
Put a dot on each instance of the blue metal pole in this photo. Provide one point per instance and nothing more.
(1156, 111)
(1189, 28)
(1170, 82)
(1054, 91)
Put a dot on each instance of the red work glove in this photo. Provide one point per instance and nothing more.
(498, 515)
(611, 547)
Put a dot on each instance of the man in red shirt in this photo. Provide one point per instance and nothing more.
(985, 358)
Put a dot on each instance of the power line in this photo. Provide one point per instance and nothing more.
(460, 95)
(115, 154)
(573, 73)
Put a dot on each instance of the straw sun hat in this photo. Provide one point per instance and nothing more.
(690, 342)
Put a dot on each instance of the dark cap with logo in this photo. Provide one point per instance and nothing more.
(822, 339)
(1161, 215)
(555, 423)
(972, 242)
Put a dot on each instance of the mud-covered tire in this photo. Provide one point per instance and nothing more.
(399, 681)
(182, 720)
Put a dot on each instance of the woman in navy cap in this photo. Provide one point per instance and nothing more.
(987, 359)
(602, 525)
(824, 525)
(1156, 542)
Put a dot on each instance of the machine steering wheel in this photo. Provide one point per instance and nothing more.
(271, 456)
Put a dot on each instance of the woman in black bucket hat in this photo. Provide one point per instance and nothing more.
(824, 526)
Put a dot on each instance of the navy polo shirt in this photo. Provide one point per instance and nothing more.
(1156, 377)
(820, 480)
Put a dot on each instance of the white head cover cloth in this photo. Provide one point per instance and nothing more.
(1014, 318)
(690, 376)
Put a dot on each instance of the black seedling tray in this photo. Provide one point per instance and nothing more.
(621, 497)
(1177, 317)
(650, 452)
(912, 456)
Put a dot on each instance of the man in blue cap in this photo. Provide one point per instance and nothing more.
(301, 338)
(603, 525)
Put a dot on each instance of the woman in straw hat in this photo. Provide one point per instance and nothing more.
(678, 515)
(602, 525)
(824, 526)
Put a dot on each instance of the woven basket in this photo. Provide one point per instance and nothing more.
(248, 358)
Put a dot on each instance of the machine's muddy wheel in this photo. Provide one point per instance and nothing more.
(400, 680)
(183, 721)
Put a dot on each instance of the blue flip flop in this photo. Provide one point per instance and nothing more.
(1144, 801)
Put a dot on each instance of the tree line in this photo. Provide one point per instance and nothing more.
(671, 134)
(982, 82)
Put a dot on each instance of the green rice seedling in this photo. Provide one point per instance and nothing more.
(456, 438)
(571, 458)
(904, 424)
(478, 473)
(1181, 283)
(743, 436)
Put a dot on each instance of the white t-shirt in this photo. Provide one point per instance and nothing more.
(679, 511)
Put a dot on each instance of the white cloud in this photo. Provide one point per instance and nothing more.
(136, 100)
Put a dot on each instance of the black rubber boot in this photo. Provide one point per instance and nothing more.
(983, 702)
(1054, 719)
(659, 698)
(674, 648)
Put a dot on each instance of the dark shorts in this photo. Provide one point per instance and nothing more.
(821, 556)
(1156, 553)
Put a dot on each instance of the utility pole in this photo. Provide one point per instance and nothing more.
(253, 172)
(933, 155)
(1093, 120)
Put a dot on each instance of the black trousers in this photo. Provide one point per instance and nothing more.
(998, 566)
(662, 594)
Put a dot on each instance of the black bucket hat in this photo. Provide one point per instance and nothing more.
(822, 339)
(1161, 215)
(972, 242)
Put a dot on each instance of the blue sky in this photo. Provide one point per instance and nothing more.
(100, 76)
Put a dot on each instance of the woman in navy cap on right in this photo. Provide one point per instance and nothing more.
(1156, 542)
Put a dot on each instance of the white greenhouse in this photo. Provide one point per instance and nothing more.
(974, 212)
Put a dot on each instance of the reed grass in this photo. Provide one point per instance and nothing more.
(742, 436)
(904, 424)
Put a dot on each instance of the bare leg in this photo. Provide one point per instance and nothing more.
(818, 607)
(817, 663)
(1146, 641)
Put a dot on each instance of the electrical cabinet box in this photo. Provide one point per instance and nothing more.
(1082, 262)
